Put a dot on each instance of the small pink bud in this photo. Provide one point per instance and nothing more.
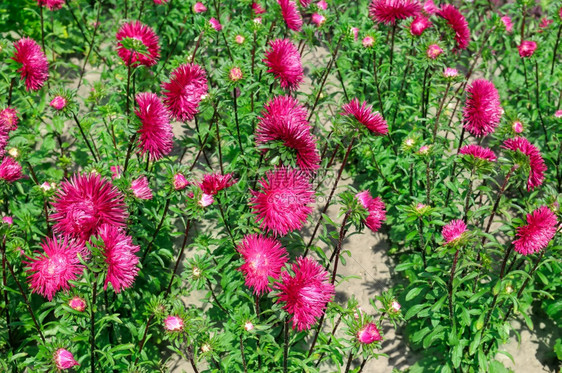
(396, 306)
(8, 220)
(420, 206)
(248, 326)
(58, 103)
(77, 304)
(517, 127)
(558, 114)
(368, 41)
(257, 8)
(206, 348)
(206, 200)
(322, 4)
(115, 172)
(369, 334)
(64, 359)
(507, 23)
(257, 20)
(198, 7)
(239, 39)
(355, 32)
(433, 51)
(235, 74)
(423, 150)
(318, 19)
(180, 182)
(450, 72)
(215, 24)
(173, 324)
(358, 312)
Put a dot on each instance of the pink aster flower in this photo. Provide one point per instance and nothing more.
(284, 61)
(8, 119)
(158, 2)
(419, 24)
(322, 4)
(508, 24)
(434, 51)
(8, 220)
(482, 111)
(199, 7)
(453, 231)
(248, 326)
(58, 103)
(206, 200)
(306, 293)
(318, 19)
(430, 8)
(537, 167)
(10, 170)
(540, 229)
(284, 119)
(139, 33)
(52, 270)
(239, 39)
(450, 72)
(235, 74)
(390, 11)
(545, 22)
(180, 182)
(173, 323)
(376, 209)
(51, 4)
(184, 92)
(140, 188)
(257, 8)
(365, 115)
(35, 68)
(479, 152)
(396, 306)
(156, 136)
(284, 201)
(291, 14)
(264, 257)
(64, 359)
(214, 183)
(527, 48)
(77, 304)
(86, 202)
(368, 41)
(517, 126)
(368, 334)
(119, 254)
(215, 24)
(558, 113)
(458, 24)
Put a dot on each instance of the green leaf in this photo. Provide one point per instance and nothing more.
(413, 293)
(475, 343)
(414, 310)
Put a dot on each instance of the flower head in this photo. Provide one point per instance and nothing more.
(35, 68)
(434, 51)
(206, 200)
(430, 8)
(536, 164)
(257, 8)
(86, 202)
(540, 229)
(284, 119)
(180, 182)
(450, 72)
(64, 359)
(322, 4)
(558, 114)
(527, 48)
(284, 201)
(184, 92)
(144, 50)
(365, 115)
(156, 136)
(291, 14)
(264, 257)
(390, 11)
(318, 19)
(8, 119)
(239, 39)
(199, 7)
(140, 188)
(10, 170)
(508, 24)
(119, 254)
(306, 293)
(517, 126)
(395, 306)
(8, 220)
(77, 304)
(115, 172)
(458, 24)
(454, 231)
(215, 24)
(235, 74)
(284, 61)
(58, 103)
(479, 152)
(419, 24)
(375, 208)
(173, 323)
(214, 183)
(368, 41)
(545, 22)
(51, 4)
(355, 32)
(368, 334)
(59, 263)
(482, 111)
(248, 326)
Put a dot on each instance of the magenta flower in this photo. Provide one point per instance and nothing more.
(537, 167)
(8, 119)
(119, 253)
(545, 22)
(51, 4)
(77, 304)
(419, 25)
(430, 8)
(390, 11)
(35, 68)
(264, 257)
(8, 220)
(10, 170)
(318, 19)
(540, 229)
(64, 359)
(158, 2)
(139, 33)
(156, 136)
(479, 152)
(527, 48)
(434, 51)
(291, 14)
(368, 41)
(173, 323)
(458, 24)
(58, 103)
(257, 8)
(306, 293)
(376, 209)
(508, 24)
(214, 183)
(322, 5)
(517, 126)
(284, 61)
(140, 188)
(115, 172)
(365, 115)
(368, 334)
(51, 270)
(284, 119)
(558, 114)
(86, 202)
(180, 182)
(482, 111)
(199, 7)
(450, 72)
(284, 201)
(215, 24)
(185, 91)
(454, 231)
(305, 3)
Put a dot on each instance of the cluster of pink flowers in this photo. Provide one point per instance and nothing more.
(51, 4)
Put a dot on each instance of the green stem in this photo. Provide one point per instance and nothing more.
(92, 326)
(286, 346)
(450, 287)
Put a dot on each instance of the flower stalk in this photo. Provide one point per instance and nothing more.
(286, 345)
(92, 325)
(450, 287)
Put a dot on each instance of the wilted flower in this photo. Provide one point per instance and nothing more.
(10, 170)
(215, 24)
(540, 229)
(199, 7)
(517, 126)
(173, 323)
(318, 19)
(527, 48)
(264, 257)
(306, 293)
(214, 183)
(454, 231)
(180, 182)
(137, 32)
(365, 115)
(419, 24)
(368, 334)
(368, 41)
(482, 111)
(450, 72)
(536, 164)
(545, 22)
(77, 304)
(507, 23)
(424, 150)
(479, 152)
(184, 92)
(434, 51)
(140, 188)
(35, 68)
(284, 201)
(284, 61)
(115, 172)
(257, 20)
(235, 74)
(375, 208)
(390, 11)
(291, 14)
(64, 359)
(458, 24)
